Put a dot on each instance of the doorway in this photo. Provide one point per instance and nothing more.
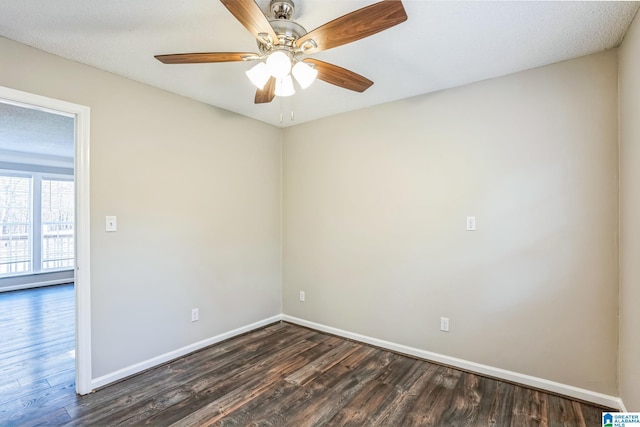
(80, 116)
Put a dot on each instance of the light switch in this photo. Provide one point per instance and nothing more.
(471, 223)
(112, 223)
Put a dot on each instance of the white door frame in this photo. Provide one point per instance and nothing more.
(81, 114)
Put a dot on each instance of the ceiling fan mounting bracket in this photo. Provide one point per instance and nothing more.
(265, 39)
(252, 57)
(282, 9)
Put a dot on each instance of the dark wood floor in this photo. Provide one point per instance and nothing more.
(281, 375)
(37, 346)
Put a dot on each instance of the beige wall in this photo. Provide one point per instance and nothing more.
(375, 203)
(197, 194)
(629, 88)
(374, 210)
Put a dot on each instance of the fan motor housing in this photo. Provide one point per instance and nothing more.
(288, 31)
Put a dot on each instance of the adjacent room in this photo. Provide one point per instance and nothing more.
(37, 252)
(324, 212)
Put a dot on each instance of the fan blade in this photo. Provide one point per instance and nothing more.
(204, 57)
(250, 15)
(354, 26)
(340, 76)
(266, 94)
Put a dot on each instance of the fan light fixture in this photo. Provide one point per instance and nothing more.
(259, 75)
(284, 86)
(278, 66)
(304, 74)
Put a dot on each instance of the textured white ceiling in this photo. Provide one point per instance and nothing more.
(27, 131)
(441, 45)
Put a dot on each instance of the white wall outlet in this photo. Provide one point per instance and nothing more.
(302, 296)
(112, 223)
(195, 314)
(471, 223)
(444, 324)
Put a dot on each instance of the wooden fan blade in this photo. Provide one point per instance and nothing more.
(266, 94)
(354, 26)
(250, 15)
(204, 57)
(340, 76)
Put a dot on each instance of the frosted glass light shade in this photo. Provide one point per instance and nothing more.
(304, 74)
(278, 64)
(259, 75)
(284, 86)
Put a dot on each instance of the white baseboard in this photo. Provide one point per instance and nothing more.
(35, 285)
(167, 357)
(528, 380)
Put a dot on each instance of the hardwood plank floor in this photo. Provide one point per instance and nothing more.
(37, 354)
(281, 375)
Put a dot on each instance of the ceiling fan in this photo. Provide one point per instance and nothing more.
(283, 43)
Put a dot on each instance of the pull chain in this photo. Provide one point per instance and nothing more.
(282, 108)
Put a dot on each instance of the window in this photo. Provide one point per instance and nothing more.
(57, 224)
(15, 217)
(37, 221)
